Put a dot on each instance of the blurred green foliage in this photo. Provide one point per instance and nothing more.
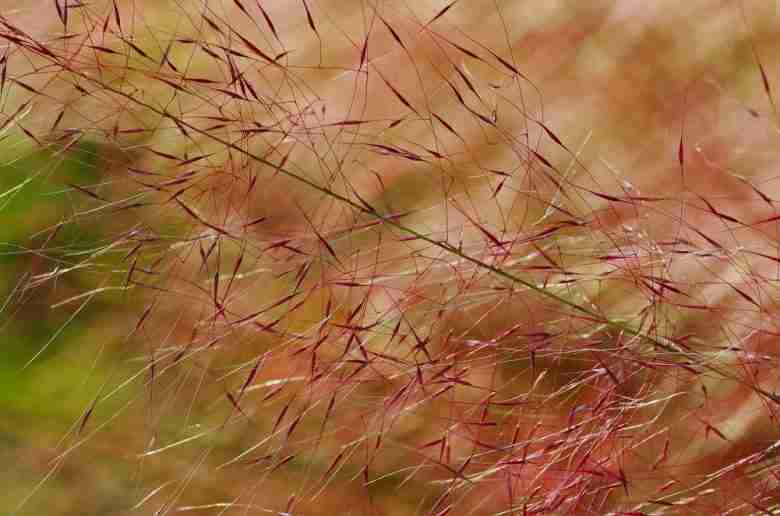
(47, 352)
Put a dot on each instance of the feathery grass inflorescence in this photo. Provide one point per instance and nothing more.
(387, 258)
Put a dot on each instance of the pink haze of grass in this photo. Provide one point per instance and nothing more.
(470, 257)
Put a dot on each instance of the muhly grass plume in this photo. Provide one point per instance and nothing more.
(435, 257)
